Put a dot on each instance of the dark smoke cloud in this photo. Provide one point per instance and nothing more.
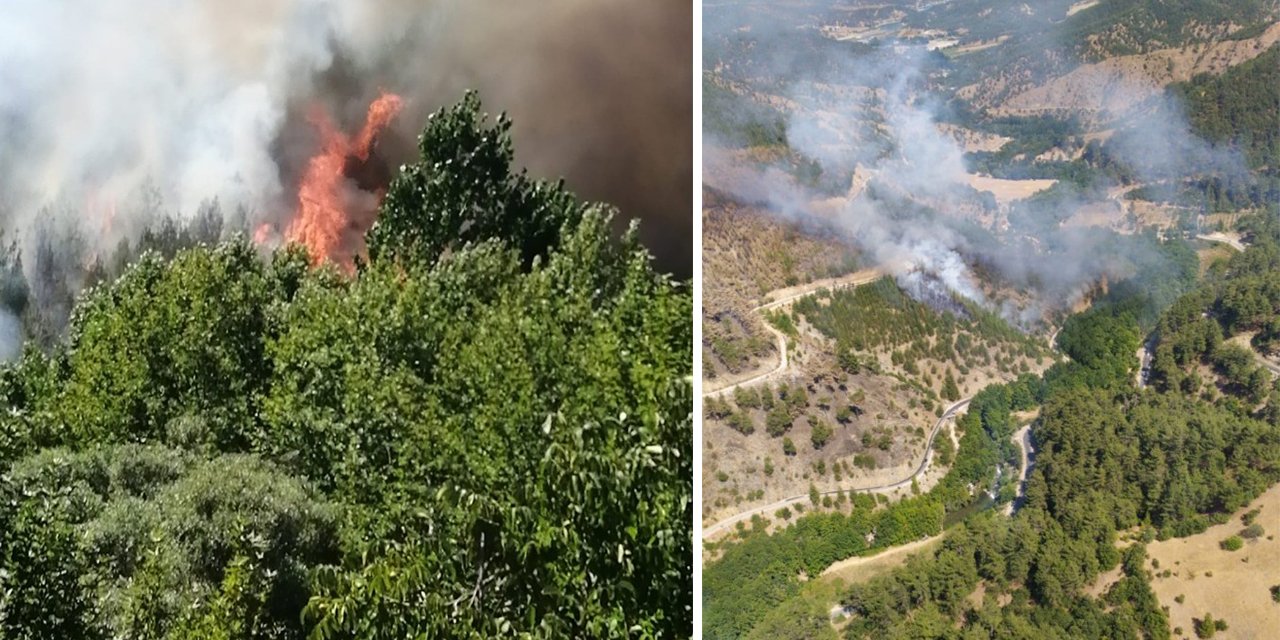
(196, 99)
(600, 92)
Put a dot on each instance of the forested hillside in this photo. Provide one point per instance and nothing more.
(486, 430)
(1111, 458)
(1241, 109)
(1117, 465)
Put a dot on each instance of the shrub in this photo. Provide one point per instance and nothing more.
(1234, 543)
(741, 422)
(778, 421)
(820, 434)
(746, 398)
(1205, 627)
(1250, 516)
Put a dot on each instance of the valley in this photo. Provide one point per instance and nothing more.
(1070, 361)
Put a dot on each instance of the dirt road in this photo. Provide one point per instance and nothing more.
(1246, 340)
(768, 509)
(1144, 361)
(786, 296)
(1230, 239)
(887, 556)
(1022, 437)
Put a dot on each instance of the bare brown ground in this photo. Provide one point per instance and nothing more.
(1237, 591)
(965, 49)
(972, 140)
(1104, 582)
(1081, 6)
(1090, 87)
(861, 569)
(1007, 191)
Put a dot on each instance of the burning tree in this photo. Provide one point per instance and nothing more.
(486, 430)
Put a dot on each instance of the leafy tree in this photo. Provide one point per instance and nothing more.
(485, 430)
(742, 422)
(464, 191)
(820, 434)
(171, 340)
(950, 391)
(777, 421)
(1206, 627)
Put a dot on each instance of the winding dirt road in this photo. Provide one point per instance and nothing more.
(743, 516)
(1270, 366)
(1246, 340)
(1022, 438)
(786, 296)
(783, 297)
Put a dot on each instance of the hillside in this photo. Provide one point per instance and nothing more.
(1114, 85)
(1101, 171)
(869, 373)
(747, 253)
(1116, 466)
(1063, 54)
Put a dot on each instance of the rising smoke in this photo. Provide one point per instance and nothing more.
(204, 98)
(872, 119)
(112, 110)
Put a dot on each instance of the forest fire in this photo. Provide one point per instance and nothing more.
(326, 195)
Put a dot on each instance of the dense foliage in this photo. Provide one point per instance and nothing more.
(764, 570)
(881, 316)
(1167, 460)
(1239, 106)
(486, 431)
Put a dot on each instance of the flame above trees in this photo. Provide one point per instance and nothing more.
(326, 196)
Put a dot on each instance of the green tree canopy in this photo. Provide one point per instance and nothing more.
(486, 430)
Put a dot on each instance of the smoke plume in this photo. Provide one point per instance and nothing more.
(896, 183)
(106, 104)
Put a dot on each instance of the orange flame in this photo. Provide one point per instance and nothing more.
(323, 213)
(263, 233)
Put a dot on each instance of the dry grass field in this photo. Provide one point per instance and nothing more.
(863, 568)
(1231, 585)
(746, 253)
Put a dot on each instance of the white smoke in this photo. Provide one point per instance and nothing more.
(106, 96)
(899, 146)
(112, 113)
(873, 117)
(200, 99)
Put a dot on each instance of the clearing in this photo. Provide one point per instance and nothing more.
(863, 568)
(1237, 590)
(1006, 191)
